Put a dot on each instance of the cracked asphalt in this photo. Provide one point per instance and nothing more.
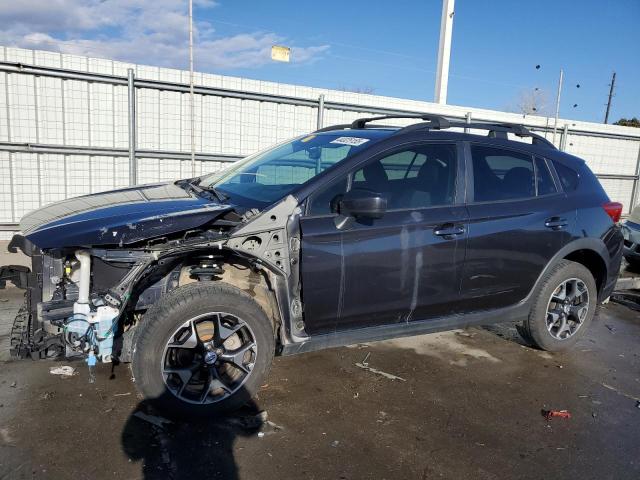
(460, 405)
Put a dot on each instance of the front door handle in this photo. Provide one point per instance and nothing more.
(555, 223)
(448, 231)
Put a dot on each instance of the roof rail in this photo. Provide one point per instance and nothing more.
(500, 130)
(436, 121)
(342, 126)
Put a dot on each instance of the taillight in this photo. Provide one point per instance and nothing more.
(614, 210)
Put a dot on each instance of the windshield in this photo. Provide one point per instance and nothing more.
(263, 178)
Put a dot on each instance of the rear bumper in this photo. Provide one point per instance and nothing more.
(631, 233)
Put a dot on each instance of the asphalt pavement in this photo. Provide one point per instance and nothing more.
(461, 405)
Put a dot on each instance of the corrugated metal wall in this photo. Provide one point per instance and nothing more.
(63, 134)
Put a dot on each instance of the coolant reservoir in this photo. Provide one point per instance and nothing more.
(104, 322)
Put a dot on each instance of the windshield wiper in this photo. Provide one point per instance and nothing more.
(194, 186)
(218, 194)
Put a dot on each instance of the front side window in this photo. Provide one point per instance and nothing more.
(415, 177)
(500, 174)
(266, 177)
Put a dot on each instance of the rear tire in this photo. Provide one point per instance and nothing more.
(172, 356)
(563, 307)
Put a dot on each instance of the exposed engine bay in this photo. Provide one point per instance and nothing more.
(83, 301)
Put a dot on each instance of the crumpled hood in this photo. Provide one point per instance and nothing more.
(119, 217)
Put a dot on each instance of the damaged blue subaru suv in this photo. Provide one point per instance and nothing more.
(353, 233)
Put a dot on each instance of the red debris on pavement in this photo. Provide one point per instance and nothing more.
(549, 414)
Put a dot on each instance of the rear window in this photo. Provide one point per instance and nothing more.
(544, 179)
(501, 174)
(568, 176)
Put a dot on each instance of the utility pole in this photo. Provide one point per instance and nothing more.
(555, 125)
(613, 82)
(444, 52)
(191, 99)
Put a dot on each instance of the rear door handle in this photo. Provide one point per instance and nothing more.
(555, 223)
(449, 231)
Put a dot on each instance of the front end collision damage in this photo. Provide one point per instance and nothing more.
(90, 299)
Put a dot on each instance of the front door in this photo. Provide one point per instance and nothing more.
(402, 267)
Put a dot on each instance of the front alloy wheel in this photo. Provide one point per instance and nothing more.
(209, 357)
(203, 349)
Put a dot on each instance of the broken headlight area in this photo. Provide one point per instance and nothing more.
(70, 305)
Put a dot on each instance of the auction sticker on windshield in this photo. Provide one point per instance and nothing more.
(353, 141)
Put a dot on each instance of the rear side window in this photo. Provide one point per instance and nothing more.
(500, 174)
(544, 179)
(568, 177)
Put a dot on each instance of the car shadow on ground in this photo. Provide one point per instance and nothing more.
(196, 448)
(507, 331)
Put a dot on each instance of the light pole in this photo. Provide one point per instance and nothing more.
(191, 96)
(444, 52)
(555, 125)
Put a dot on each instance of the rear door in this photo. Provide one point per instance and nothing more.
(518, 220)
(402, 267)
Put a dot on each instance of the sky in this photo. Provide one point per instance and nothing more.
(387, 48)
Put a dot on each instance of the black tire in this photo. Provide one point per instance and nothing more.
(168, 314)
(535, 327)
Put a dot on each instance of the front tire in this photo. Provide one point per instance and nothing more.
(563, 307)
(203, 349)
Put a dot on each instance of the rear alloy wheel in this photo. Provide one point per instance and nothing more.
(563, 307)
(567, 309)
(203, 349)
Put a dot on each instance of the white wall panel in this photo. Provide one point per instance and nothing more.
(22, 108)
(170, 108)
(76, 112)
(50, 110)
(53, 178)
(26, 191)
(6, 188)
(101, 115)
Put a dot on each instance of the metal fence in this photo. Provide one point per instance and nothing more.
(74, 125)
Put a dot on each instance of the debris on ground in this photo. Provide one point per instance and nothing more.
(152, 419)
(14, 384)
(364, 360)
(611, 329)
(5, 437)
(63, 371)
(47, 395)
(335, 443)
(275, 426)
(614, 389)
(628, 299)
(121, 394)
(379, 372)
(549, 414)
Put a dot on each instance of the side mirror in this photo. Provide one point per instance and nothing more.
(363, 204)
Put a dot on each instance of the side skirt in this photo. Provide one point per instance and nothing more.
(418, 327)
